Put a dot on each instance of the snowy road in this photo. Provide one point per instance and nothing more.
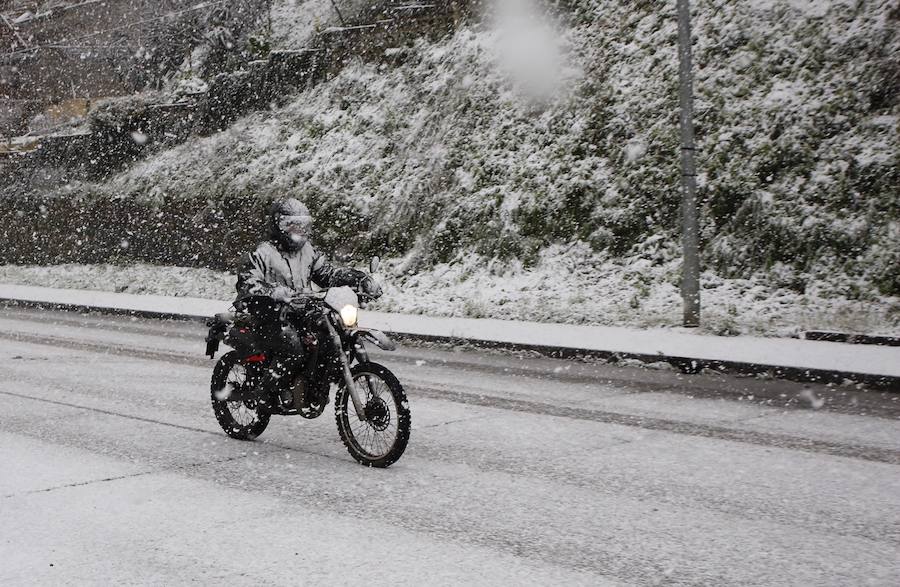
(519, 471)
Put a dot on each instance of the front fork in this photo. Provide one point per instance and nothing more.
(358, 404)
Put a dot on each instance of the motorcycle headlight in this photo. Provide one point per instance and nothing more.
(349, 315)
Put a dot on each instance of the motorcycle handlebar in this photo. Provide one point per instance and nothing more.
(320, 296)
(305, 297)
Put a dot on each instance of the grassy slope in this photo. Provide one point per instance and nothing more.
(441, 156)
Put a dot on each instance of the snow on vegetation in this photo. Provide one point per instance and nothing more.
(134, 279)
(552, 193)
(294, 22)
(567, 285)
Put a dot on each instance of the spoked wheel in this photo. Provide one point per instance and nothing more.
(239, 418)
(381, 439)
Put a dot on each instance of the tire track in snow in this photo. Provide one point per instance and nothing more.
(120, 477)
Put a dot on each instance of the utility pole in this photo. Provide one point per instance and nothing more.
(690, 282)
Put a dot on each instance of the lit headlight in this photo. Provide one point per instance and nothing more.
(349, 314)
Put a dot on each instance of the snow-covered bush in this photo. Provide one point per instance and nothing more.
(438, 150)
(449, 153)
(798, 116)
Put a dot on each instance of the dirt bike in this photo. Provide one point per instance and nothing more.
(325, 347)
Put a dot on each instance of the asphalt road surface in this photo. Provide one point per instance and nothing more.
(520, 470)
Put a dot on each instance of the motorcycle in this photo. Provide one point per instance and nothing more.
(326, 348)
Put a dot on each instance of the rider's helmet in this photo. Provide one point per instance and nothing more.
(290, 223)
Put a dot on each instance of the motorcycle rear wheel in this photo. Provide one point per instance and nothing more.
(239, 419)
(382, 438)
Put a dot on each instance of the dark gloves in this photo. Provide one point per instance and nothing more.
(370, 287)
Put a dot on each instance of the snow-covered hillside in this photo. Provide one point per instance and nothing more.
(439, 144)
(493, 150)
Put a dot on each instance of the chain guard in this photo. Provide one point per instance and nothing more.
(310, 399)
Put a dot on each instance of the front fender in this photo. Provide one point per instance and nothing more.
(376, 337)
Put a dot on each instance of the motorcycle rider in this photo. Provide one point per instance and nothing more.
(287, 264)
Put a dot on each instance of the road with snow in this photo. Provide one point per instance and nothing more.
(520, 470)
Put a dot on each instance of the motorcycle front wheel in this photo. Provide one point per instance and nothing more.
(241, 419)
(381, 439)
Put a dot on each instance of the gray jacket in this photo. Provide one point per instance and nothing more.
(269, 267)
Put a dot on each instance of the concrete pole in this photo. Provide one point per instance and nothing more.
(690, 283)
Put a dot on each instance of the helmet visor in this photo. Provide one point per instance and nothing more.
(295, 223)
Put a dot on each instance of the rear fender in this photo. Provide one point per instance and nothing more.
(218, 328)
(243, 340)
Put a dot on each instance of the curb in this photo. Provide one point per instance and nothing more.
(687, 365)
(848, 338)
(102, 310)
